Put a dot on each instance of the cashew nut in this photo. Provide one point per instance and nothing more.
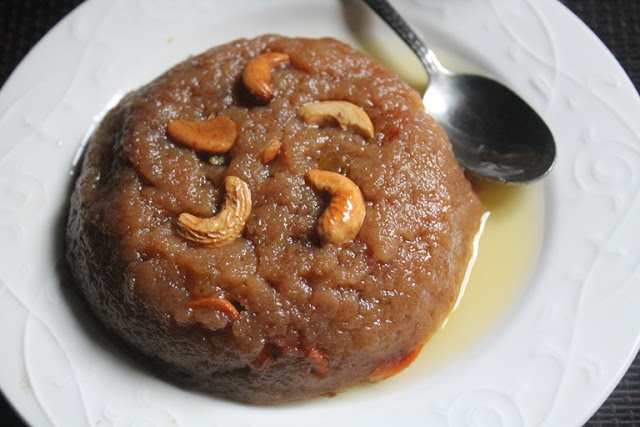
(344, 113)
(215, 135)
(257, 73)
(319, 361)
(390, 367)
(341, 220)
(221, 304)
(270, 151)
(227, 225)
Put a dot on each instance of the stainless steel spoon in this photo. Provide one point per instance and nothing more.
(495, 135)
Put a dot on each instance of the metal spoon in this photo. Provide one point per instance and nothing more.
(495, 135)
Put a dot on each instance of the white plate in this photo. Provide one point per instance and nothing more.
(552, 361)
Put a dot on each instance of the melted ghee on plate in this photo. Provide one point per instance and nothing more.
(507, 252)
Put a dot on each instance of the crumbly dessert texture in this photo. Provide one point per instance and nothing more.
(273, 219)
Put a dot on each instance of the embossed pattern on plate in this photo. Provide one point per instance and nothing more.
(551, 362)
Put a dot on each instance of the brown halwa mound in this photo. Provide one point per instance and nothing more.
(302, 318)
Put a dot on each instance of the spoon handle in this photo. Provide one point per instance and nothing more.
(402, 29)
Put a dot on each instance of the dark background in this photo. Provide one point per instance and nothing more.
(616, 22)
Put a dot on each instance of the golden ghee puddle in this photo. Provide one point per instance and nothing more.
(508, 250)
(506, 257)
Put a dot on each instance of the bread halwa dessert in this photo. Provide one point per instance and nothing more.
(273, 219)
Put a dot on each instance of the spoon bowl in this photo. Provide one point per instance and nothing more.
(495, 135)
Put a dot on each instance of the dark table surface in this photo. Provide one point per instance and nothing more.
(616, 22)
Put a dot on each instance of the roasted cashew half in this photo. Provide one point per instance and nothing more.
(341, 220)
(257, 74)
(215, 135)
(216, 303)
(344, 113)
(270, 151)
(227, 225)
(392, 366)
